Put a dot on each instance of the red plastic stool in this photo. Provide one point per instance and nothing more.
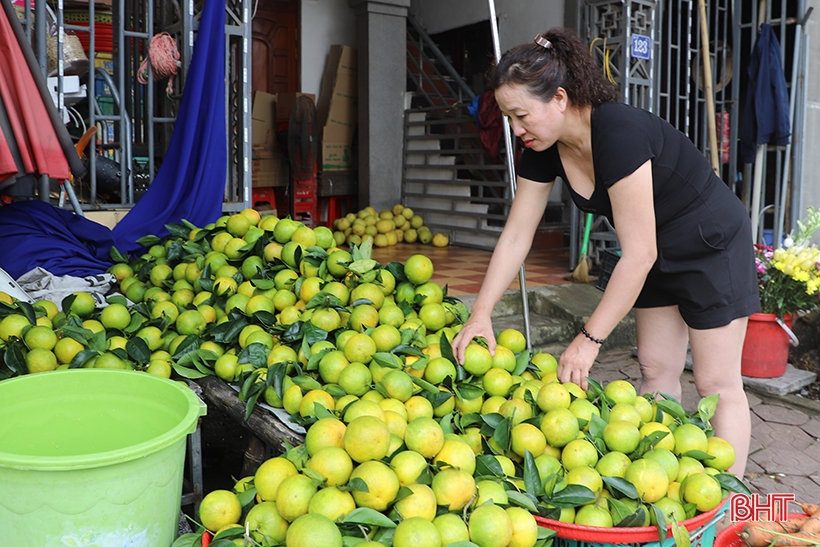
(334, 208)
(261, 195)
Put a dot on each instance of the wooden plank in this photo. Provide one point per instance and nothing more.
(265, 425)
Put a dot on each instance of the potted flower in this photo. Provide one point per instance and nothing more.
(789, 280)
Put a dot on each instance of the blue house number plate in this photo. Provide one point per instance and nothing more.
(641, 47)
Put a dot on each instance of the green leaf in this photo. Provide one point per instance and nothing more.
(228, 332)
(447, 349)
(672, 407)
(177, 230)
(358, 485)
(256, 354)
(362, 266)
(732, 483)
(425, 385)
(660, 518)
(28, 311)
(186, 540)
(387, 359)
(14, 358)
(523, 499)
(635, 518)
(532, 479)
(138, 350)
(707, 407)
(571, 496)
(502, 434)
(468, 392)
(185, 372)
(368, 517)
(619, 511)
(521, 362)
(621, 485)
(462, 544)
(681, 535)
(80, 359)
(325, 300)
(116, 256)
(486, 465)
(698, 455)
(596, 427)
(148, 241)
(189, 344)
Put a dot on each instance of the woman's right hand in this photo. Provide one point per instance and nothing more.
(476, 326)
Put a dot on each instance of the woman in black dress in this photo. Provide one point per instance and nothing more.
(687, 264)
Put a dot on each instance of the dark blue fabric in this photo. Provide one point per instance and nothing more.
(766, 113)
(35, 233)
(190, 184)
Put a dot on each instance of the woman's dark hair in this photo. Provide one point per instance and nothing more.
(564, 62)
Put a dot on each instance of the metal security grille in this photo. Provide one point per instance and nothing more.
(136, 131)
(671, 84)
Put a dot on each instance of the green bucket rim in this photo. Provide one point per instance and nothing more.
(186, 426)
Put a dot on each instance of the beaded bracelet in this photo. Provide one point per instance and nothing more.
(598, 341)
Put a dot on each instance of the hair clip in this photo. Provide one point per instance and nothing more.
(543, 42)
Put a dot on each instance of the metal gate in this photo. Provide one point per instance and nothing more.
(667, 78)
(135, 124)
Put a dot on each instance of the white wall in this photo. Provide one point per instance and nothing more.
(324, 23)
(811, 150)
(518, 20)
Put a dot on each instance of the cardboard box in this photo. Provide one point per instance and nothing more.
(337, 156)
(269, 167)
(338, 109)
(340, 124)
(263, 119)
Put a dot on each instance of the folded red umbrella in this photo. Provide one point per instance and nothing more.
(42, 140)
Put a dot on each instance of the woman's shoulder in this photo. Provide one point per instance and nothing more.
(619, 113)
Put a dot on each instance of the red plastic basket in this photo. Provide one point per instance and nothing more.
(729, 536)
(622, 536)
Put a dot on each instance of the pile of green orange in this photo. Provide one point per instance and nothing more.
(401, 440)
(386, 227)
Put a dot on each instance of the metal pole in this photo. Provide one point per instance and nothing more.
(508, 143)
(781, 209)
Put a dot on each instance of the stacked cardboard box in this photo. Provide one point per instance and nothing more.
(269, 163)
(338, 108)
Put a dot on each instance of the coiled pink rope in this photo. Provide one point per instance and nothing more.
(164, 58)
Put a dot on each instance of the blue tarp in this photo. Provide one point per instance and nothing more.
(189, 185)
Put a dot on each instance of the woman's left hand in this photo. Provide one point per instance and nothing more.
(577, 360)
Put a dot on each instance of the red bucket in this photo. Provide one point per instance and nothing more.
(766, 348)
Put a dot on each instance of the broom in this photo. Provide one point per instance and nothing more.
(581, 273)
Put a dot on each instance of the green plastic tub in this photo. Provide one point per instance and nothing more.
(93, 457)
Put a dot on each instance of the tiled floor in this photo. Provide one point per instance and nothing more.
(462, 269)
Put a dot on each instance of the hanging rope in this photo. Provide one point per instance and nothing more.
(164, 58)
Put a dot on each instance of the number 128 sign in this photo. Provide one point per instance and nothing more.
(641, 47)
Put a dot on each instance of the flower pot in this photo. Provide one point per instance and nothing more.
(766, 348)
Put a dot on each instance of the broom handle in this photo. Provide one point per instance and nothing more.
(587, 230)
(708, 89)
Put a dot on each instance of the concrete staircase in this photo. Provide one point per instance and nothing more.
(432, 189)
(557, 313)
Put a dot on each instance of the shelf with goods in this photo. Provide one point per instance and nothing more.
(136, 120)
